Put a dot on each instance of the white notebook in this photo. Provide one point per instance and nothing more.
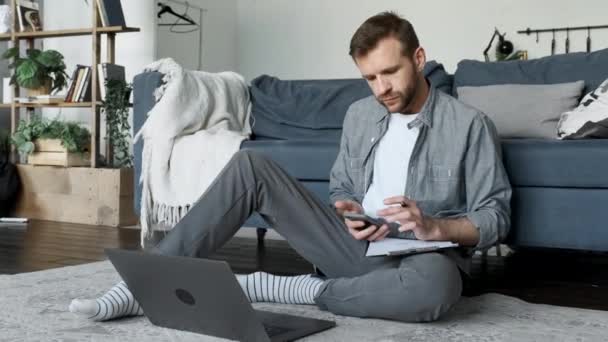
(392, 246)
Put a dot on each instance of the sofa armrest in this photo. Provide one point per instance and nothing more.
(144, 86)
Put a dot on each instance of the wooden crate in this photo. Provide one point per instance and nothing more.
(77, 195)
(51, 152)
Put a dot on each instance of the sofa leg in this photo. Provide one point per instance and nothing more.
(261, 233)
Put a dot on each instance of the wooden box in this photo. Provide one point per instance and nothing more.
(51, 152)
(77, 195)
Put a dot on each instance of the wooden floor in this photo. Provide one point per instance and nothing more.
(550, 277)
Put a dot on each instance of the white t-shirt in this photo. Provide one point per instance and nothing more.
(391, 163)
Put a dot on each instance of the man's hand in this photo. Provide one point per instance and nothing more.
(411, 218)
(370, 233)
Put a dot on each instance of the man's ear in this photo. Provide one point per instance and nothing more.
(420, 58)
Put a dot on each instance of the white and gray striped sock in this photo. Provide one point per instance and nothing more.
(265, 287)
(116, 303)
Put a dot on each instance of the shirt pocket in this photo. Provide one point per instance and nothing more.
(444, 189)
(444, 173)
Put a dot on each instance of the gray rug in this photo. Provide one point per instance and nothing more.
(33, 307)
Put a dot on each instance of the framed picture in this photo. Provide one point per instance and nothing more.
(28, 13)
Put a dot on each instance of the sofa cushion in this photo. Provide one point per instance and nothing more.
(524, 110)
(556, 163)
(314, 109)
(590, 67)
(589, 119)
(303, 159)
(302, 109)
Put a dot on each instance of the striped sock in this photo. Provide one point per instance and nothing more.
(265, 287)
(116, 303)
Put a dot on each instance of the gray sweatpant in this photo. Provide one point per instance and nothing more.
(412, 289)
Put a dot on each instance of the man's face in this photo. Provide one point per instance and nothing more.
(392, 77)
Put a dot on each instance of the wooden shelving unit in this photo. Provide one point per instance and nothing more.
(95, 31)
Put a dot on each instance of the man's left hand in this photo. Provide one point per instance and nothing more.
(410, 217)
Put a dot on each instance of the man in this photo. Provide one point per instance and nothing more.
(409, 154)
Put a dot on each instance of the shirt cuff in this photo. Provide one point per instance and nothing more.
(486, 226)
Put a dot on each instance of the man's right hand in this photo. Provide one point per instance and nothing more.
(371, 233)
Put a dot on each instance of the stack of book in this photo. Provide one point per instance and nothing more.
(80, 90)
(110, 12)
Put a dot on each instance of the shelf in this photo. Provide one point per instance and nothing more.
(58, 105)
(67, 33)
(51, 105)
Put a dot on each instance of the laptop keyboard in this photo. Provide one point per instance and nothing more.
(273, 330)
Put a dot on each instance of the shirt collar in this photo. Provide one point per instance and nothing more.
(426, 113)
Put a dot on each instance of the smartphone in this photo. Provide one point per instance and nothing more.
(370, 221)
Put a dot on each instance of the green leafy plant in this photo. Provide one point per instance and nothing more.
(73, 136)
(37, 68)
(116, 108)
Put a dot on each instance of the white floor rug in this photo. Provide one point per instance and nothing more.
(33, 307)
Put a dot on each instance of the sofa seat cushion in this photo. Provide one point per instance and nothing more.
(303, 159)
(556, 163)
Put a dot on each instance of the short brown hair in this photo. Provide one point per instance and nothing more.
(380, 26)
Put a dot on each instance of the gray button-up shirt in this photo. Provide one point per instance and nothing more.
(455, 169)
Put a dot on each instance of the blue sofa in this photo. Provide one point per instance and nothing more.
(560, 188)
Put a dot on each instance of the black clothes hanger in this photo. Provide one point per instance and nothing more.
(167, 9)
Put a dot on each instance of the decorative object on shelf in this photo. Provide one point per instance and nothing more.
(72, 136)
(42, 72)
(116, 108)
(529, 31)
(5, 18)
(110, 13)
(28, 13)
(504, 49)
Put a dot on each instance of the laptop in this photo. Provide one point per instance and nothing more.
(203, 296)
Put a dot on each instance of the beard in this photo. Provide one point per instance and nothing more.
(400, 101)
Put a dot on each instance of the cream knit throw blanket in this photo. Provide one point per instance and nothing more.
(197, 124)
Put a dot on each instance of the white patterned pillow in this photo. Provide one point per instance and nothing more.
(589, 119)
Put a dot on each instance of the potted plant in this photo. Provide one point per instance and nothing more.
(41, 72)
(116, 108)
(52, 142)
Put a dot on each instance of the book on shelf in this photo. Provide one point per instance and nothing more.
(109, 72)
(41, 99)
(84, 93)
(68, 95)
(28, 15)
(111, 13)
(80, 87)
